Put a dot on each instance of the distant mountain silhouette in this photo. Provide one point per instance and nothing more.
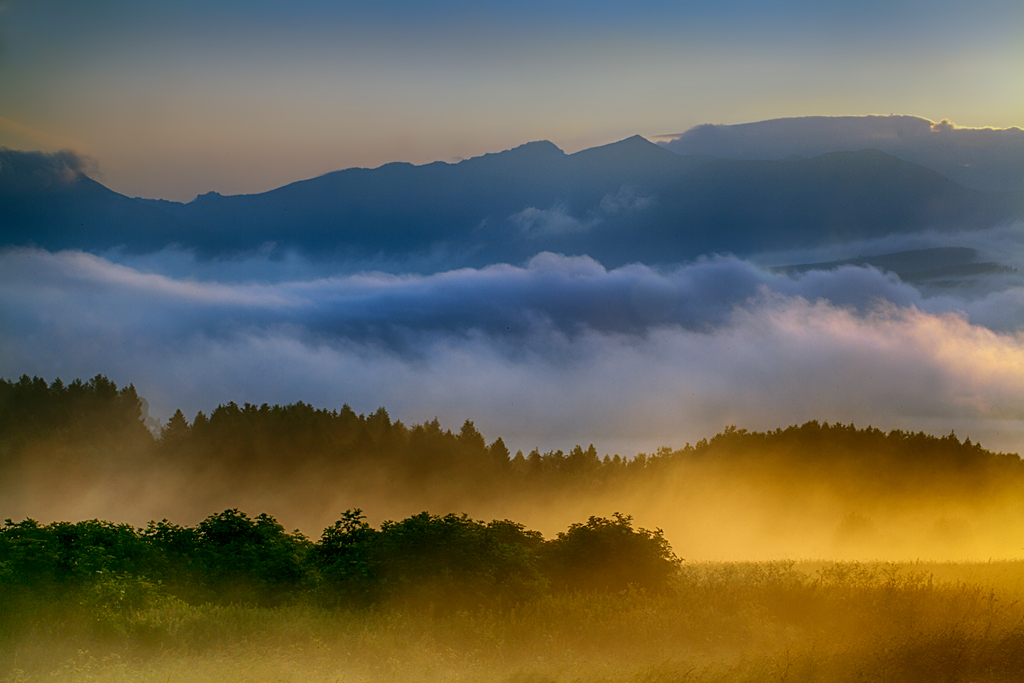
(980, 158)
(754, 206)
(627, 201)
(46, 200)
(399, 207)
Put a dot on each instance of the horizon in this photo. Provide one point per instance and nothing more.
(174, 101)
(92, 168)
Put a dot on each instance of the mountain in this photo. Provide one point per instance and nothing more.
(754, 206)
(404, 208)
(627, 201)
(989, 159)
(47, 200)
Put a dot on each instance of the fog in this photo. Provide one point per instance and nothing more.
(547, 354)
(551, 353)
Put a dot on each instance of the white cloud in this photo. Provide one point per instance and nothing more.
(557, 220)
(626, 199)
(558, 351)
(535, 222)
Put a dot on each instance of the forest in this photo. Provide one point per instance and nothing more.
(82, 450)
(98, 420)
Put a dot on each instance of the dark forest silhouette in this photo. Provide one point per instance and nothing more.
(82, 450)
(96, 419)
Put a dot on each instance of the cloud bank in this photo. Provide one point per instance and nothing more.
(557, 351)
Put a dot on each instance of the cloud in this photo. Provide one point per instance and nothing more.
(989, 299)
(23, 172)
(558, 351)
(627, 199)
(568, 294)
(557, 220)
(534, 222)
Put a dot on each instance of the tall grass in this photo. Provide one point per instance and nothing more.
(768, 621)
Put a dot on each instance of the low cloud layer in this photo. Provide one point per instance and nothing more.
(558, 351)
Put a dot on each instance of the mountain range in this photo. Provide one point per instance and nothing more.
(628, 201)
(980, 158)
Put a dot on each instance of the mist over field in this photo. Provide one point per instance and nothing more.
(556, 351)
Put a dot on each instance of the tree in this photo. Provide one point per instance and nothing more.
(449, 562)
(249, 557)
(471, 440)
(347, 560)
(609, 554)
(498, 453)
(176, 431)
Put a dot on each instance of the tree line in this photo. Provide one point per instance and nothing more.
(446, 562)
(96, 419)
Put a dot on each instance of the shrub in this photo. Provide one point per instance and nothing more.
(609, 554)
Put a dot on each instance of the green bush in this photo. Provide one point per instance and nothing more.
(450, 562)
(609, 554)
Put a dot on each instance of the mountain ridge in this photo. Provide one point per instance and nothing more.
(980, 158)
(626, 201)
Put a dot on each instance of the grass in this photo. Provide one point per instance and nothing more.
(767, 621)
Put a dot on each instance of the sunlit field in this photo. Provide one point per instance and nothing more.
(555, 587)
(768, 621)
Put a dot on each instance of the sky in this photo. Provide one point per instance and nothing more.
(171, 100)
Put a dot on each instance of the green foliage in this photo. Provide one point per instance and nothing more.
(227, 557)
(449, 562)
(346, 561)
(253, 558)
(609, 554)
(63, 553)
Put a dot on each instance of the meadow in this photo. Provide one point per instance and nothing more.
(764, 621)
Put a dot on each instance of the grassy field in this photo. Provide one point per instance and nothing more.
(767, 621)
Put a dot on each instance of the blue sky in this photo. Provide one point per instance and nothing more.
(174, 99)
